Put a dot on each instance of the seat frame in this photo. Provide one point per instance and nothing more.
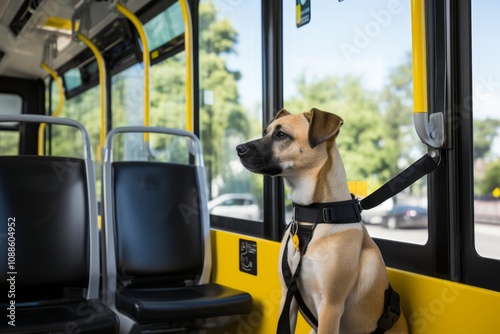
(127, 324)
(92, 290)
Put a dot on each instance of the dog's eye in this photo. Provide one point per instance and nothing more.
(281, 135)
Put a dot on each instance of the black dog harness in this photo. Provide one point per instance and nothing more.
(344, 212)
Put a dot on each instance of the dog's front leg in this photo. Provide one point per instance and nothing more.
(329, 318)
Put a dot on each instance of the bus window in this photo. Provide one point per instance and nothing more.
(85, 108)
(164, 27)
(231, 103)
(167, 102)
(9, 136)
(486, 127)
(354, 59)
(166, 87)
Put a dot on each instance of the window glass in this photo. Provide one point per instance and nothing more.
(67, 141)
(72, 79)
(10, 104)
(9, 142)
(231, 109)
(85, 108)
(167, 108)
(486, 127)
(9, 136)
(354, 59)
(165, 26)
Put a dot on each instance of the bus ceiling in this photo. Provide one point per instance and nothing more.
(25, 26)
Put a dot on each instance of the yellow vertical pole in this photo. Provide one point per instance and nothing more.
(102, 85)
(188, 47)
(419, 56)
(41, 129)
(145, 59)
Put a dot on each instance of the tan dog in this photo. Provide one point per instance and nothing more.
(343, 277)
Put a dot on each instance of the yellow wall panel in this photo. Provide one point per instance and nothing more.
(264, 288)
(431, 305)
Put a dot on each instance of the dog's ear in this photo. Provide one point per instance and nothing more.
(281, 113)
(323, 126)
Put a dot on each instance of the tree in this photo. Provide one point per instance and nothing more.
(223, 120)
(485, 131)
(491, 179)
(396, 104)
(9, 142)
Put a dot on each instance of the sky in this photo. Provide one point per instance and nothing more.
(341, 38)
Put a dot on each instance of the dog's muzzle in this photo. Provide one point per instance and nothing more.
(258, 158)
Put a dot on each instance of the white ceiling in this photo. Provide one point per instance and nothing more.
(24, 53)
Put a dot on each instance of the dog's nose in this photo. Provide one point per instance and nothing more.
(241, 149)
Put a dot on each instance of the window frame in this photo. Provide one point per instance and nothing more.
(472, 269)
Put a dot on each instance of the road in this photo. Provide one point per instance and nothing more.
(487, 237)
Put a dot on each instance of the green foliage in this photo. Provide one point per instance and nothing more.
(491, 179)
(485, 130)
(9, 142)
(84, 108)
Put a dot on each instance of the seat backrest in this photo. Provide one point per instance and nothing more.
(157, 221)
(50, 216)
(51, 246)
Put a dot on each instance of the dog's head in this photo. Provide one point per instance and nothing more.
(291, 143)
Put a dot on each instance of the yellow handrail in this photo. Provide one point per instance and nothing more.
(102, 85)
(41, 129)
(419, 56)
(145, 59)
(188, 48)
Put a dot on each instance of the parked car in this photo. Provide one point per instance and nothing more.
(239, 205)
(405, 216)
(375, 215)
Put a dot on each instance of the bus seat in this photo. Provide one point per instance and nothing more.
(158, 245)
(49, 249)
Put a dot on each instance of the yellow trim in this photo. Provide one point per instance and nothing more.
(155, 54)
(145, 59)
(419, 56)
(430, 305)
(59, 24)
(358, 188)
(102, 86)
(264, 288)
(41, 129)
(298, 14)
(188, 47)
(433, 305)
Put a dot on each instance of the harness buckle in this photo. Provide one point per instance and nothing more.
(328, 215)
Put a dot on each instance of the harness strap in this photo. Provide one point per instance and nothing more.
(392, 311)
(343, 212)
(400, 182)
(292, 288)
(305, 235)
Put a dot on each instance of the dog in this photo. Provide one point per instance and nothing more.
(343, 278)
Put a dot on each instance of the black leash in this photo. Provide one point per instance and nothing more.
(400, 182)
(344, 212)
